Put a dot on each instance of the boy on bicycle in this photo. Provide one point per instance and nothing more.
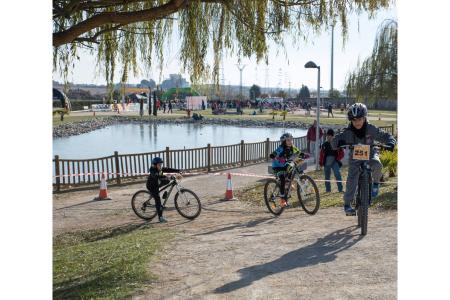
(360, 131)
(155, 180)
(281, 164)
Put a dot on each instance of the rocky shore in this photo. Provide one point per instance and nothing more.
(69, 129)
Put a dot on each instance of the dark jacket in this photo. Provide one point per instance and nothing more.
(157, 178)
(368, 134)
(327, 150)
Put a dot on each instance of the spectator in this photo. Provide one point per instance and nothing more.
(330, 110)
(311, 138)
(164, 107)
(170, 107)
(331, 160)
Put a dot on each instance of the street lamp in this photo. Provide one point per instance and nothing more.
(312, 65)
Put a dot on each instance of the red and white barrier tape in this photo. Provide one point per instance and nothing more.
(205, 173)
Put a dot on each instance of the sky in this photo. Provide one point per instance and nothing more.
(282, 69)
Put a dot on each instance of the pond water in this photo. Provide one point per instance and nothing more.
(138, 138)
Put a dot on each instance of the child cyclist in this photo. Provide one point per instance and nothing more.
(360, 131)
(155, 180)
(280, 162)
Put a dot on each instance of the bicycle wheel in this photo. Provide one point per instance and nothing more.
(271, 197)
(308, 194)
(143, 205)
(364, 204)
(187, 204)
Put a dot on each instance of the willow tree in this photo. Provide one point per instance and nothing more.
(376, 77)
(125, 34)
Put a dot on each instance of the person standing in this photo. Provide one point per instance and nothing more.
(164, 107)
(311, 138)
(170, 107)
(330, 110)
(331, 160)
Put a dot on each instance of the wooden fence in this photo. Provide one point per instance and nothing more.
(72, 173)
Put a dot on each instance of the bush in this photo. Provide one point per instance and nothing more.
(389, 161)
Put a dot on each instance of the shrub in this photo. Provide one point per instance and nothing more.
(389, 161)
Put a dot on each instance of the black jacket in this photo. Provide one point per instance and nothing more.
(157, 178)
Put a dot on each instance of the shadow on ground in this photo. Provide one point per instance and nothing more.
(322, 251)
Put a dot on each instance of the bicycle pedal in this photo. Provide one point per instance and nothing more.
(350, 214)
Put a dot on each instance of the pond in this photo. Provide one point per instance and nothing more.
(138, 138)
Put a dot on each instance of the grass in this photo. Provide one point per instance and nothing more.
(108, 263)
(387, 198)
(339, 119)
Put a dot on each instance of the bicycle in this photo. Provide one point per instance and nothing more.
(307, 191)
(360, 202)
(186, 201)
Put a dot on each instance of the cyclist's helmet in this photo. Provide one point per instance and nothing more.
(357, 110)
(286, 136)
(157, 160)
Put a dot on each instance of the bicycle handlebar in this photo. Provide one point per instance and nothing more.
(351, 146)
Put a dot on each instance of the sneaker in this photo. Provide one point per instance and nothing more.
(375, 189)
(349, 211)
(162, 220)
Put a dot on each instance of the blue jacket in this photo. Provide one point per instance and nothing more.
(283, 154)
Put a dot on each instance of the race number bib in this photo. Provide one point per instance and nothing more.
(361, 152)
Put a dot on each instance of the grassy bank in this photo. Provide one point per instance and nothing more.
(108, 263)
(339, 119)
(387, 198)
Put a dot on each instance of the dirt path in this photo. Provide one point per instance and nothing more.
(235, 250)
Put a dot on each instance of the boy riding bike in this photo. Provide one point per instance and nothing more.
(155, 179)
(281, 164)
(360, 131)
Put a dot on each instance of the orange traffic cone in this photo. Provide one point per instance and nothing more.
(229, 191)
(103, 195)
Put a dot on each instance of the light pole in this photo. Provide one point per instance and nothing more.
(241, 68)
(312, 65)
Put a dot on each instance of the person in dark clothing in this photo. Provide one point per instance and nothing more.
(170, 107)
(330, 110)
(164, 107)
(331, 160)
(361, 131)
(155, 180)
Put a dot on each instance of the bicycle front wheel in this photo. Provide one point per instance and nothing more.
(308, 194)
(144, 205)
(187, 204)
(271, 197)
(363, 210)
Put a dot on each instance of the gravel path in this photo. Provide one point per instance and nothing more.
(235, 250)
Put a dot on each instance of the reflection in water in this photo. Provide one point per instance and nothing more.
(141, 131)
(124, 138)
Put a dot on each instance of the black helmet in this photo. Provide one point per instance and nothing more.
(286, 136)
(357, 110)
(157, 160)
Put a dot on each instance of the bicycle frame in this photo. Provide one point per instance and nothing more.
(364, 169)
(291, 177)
(172, 184)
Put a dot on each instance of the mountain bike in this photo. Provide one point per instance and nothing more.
(186, 201)
(363, 198)
(307, 191)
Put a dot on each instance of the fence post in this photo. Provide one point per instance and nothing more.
(209, 157)
(242, 153)
(393, 128)
(267, 149)
(167, 157)
(58, 180)
(116, 160)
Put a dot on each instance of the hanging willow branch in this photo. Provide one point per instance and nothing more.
(376, 77)
(145, 26)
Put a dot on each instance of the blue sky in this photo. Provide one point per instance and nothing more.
(361, 36)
